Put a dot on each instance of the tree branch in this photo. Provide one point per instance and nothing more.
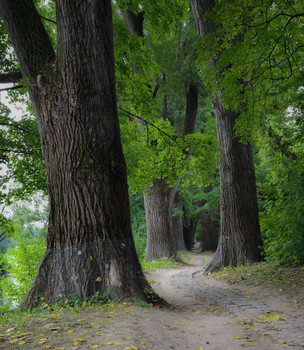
(12, 88)
(14, 125)
(2, 236)
(266, 23)
(17, 152)
(47, 19)
(154, 126)
(12, 77)
(30, 40)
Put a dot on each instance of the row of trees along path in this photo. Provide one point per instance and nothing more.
(163, 237)
(89, 242)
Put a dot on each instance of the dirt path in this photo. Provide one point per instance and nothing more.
(209, 315)
(225, 312)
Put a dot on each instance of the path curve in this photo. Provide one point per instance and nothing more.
(276, 322)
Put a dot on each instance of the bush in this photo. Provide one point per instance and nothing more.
(22, 259)
(138, 224)
(281, 200)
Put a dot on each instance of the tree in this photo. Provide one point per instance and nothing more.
(240, 237)
(160, 194)
(90, 248)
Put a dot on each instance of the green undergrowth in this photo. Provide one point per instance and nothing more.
(288, 281)
(166, 263)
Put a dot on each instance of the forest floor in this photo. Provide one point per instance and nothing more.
(229, 310)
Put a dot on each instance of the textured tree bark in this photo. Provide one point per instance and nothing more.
(208, 234)
(178, 223)
(90, 248)
(240, 237)
(189, 231)
(158, 201)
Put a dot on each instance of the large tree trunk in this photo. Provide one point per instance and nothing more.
(208, 234)
(178, 223)
(161, 241)
(90, 248)
(240, 237)
(189, 232)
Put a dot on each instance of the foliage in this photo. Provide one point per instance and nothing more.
(280, 176)
(285, 280)
(138, 220)
(21, 152)
(20, 147)
(261, 52)
(22, 259)
(164, 263)
(153, 76)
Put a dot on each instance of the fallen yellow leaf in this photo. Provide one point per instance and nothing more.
(81, 340)
(272, 318)
(21, 342)
(236, 337)
(98, 279)
(94, 346)
(9, 330)
(70, 331)
(179, 323)
(23, 334)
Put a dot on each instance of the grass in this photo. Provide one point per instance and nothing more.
(286, 280)
(165, 263)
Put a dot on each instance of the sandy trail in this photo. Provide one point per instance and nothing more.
(227, 317)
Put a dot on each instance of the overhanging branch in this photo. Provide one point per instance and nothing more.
(4, 150)
(12, 88)
(154, 126)
(12, 77)
(47, 19)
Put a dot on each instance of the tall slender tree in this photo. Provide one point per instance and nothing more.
(90, 248)
(240, 237)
